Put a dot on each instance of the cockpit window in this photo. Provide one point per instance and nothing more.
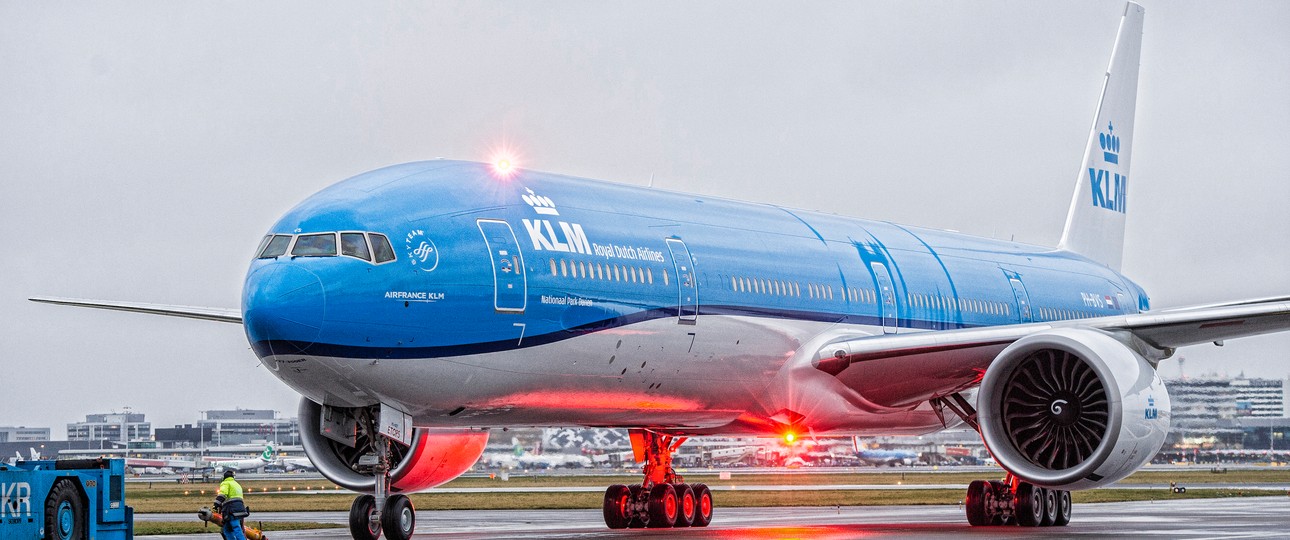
(315, 245)
(354, 245)
(276, 246)
(381, 248)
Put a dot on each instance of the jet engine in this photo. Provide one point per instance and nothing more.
(1072, 408)
(435, 457)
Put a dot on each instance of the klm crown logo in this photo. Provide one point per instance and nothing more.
(1109, 189)
(1110, 143)
(540, 204)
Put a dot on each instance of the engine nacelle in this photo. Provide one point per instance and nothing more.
(1072, 408)
(435, 457)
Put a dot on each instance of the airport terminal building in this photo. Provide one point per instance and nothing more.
(10, 434)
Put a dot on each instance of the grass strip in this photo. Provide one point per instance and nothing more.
(143, 528)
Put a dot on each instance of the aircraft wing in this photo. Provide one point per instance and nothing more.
(954, 360)
(189, 312)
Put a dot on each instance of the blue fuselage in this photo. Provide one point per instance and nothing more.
(494, 275)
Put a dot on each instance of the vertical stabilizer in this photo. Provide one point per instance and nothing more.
(1095, 224)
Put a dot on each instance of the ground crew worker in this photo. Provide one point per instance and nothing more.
(228, 502)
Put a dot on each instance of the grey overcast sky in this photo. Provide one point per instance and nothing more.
(145, 147)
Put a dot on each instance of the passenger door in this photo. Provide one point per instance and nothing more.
(687, 282)
(886, 297)
(1023, 299)
(510, 285)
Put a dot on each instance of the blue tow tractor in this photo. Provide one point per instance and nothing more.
(72, 499)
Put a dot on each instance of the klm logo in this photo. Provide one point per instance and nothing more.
(1109, 189)
(557, 236)
(540, 204)
(1152, 412)
(567, 237)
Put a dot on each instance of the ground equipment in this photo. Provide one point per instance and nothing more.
(68, 499)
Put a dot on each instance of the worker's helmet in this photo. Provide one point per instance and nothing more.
(228, 474)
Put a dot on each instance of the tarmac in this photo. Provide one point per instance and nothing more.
(1256, 517)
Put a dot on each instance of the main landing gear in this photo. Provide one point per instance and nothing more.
(1011, 501)
(663, 499)
(369, 515)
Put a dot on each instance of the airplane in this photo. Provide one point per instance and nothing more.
(417, 306)
(293, 463)
(265, 458)
(878, 456)
(520, 458)
(35, 456)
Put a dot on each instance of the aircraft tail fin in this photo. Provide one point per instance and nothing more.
(1095, 224)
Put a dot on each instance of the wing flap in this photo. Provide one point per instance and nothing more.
(225, 315)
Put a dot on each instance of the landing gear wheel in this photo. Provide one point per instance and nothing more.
(1050, 507)
(685, 504)
(702, 505)
(361, 524)
(1029, 504)
(638, 520)
(662, 507)
(976, 503)
(64, 513)
(617, 502)
(1063, 515)
(398, 519)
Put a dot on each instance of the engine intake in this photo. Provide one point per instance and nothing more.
(1072, 408)
(435, 457)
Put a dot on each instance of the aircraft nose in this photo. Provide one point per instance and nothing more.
(283, 307)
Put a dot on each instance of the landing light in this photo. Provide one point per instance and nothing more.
(790, 437)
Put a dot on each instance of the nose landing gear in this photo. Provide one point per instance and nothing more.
(370, 515)
(663, 499)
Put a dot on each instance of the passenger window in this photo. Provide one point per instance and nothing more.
(665, 277)
(564, 268)
(553, 270)
(276, 247)
(354, 245)
(381, 248)
(315, 245)
(616, 276)
(649, 276)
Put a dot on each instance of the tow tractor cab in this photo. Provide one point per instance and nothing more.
(65, 500)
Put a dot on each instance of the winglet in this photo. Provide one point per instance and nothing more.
(1095, 224)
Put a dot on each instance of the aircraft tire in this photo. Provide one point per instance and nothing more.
(974, 504)
(703, 507)
(398, 519)
(1050, 507)
(662, 507)
(1063, 514)
(637, 521)
(361, 526)
(1029, 504)
(617, 503)
(685, 504)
